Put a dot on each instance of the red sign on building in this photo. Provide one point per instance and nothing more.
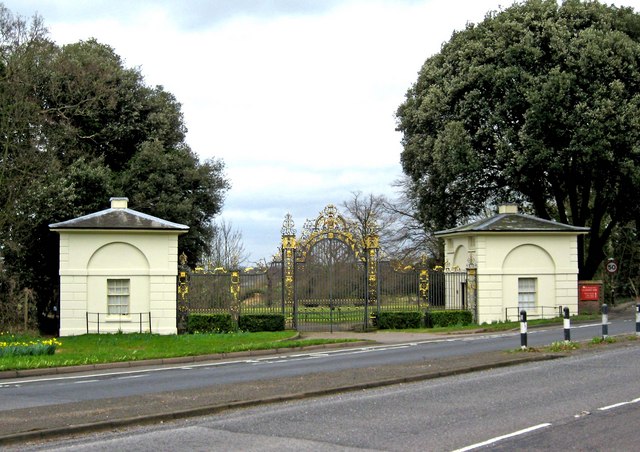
(589, 292)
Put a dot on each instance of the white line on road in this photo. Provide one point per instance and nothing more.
(616, 405)
(500, 438)
(132, 376)
(590, 325)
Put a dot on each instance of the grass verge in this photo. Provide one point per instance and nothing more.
(498, 326)
(104, 348)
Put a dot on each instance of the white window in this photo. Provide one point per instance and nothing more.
(527, 293)
(118, 296)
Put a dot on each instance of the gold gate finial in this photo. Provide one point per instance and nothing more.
(287, 226)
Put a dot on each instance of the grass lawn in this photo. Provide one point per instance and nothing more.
(103, 348)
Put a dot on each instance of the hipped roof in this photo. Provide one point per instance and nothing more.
(119, 218)
(515, 223)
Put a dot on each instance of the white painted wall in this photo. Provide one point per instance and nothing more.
(502, 258)
(89, 257)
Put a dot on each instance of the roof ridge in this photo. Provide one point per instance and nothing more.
(117, 221)
(514, 222)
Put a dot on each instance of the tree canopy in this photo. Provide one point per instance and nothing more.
(538, 104)
(76, 128)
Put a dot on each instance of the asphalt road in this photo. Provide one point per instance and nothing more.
(60, 389)
(79, 402)
(588, 401)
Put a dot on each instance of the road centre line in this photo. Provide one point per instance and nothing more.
(291, 358)
(500, 438)
(616, 405)
(590, 325)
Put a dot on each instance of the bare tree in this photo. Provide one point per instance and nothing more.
(410, 239)
(402, 232)
(227, 248)
(399, 231)
(369, 214)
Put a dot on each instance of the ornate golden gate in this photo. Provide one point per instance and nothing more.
(329, 273)
(329, 278)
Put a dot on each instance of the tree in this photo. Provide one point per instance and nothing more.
(538, 104)
(411, 239)
(367, 213)
(625, 247)
(173, 184)
(77, 127)
(402, 235)
(226, 249)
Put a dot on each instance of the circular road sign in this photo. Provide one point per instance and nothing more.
(612, 266)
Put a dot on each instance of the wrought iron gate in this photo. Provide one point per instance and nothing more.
(330, 288)
(330, 275)
(329, 278)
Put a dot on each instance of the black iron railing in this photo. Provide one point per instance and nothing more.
(512, 314)
(124, 322)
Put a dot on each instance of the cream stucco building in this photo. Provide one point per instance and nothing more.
(520, 261)
(118, 271)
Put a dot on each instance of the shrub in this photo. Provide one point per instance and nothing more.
(447, 318)
(210, 323)
(398, 320)
(261, 322)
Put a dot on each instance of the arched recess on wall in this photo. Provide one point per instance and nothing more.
(119, 255)
(460, 257)
(528, 258)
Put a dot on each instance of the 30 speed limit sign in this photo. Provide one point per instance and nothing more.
(612, 266)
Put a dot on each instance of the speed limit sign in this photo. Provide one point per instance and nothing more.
(612, 266)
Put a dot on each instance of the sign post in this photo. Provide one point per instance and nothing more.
(612, 268)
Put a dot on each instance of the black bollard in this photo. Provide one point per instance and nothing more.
(523, 329)
(567, 325)
(605, 321)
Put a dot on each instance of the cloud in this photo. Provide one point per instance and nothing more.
(189, 15)
(296, 96)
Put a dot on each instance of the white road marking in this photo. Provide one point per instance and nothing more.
(590, 325)
(500, 438)
(79, 382)
(616, 405)
(132, 376)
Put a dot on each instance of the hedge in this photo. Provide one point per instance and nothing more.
(447, 318)
(210, 323)
(397, 320)
(223, 323)
(261, 322)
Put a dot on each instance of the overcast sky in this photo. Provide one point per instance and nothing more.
(297, 97)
